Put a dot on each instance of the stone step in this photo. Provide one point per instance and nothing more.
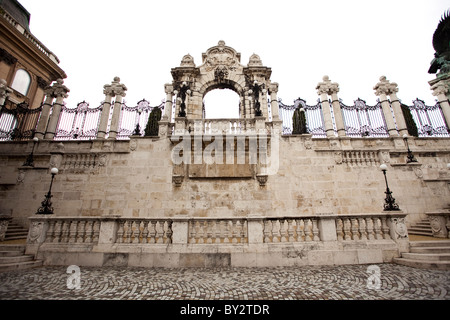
(427, 256)
(10, 253)
(421, 233)
(12, 247)
(438, 265)
(21, 265)
(430, 243)
(430, 249)
(16, 259)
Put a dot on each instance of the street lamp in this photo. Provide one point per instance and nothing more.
(389, 204)
(410, 157)
(30, 161)
(137, 130)
(46, 205)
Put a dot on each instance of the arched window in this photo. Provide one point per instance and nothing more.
(221, 104)
(21, 82)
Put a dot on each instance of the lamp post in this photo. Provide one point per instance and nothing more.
(46, 205)
(410, 157)
(137, 130)
(30, 161)
(389, 204)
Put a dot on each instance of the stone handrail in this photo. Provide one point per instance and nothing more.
(218, 231)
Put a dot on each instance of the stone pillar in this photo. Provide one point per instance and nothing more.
(110, 91)
(400, 119)
(168, 88)
(4, 91)
(440, 90)
(119, 91)
(273, 90)
(60, 92)
(322, 91)
(43, 120)
(381, 90)
(333, 90)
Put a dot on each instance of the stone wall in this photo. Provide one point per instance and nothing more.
(136, 178)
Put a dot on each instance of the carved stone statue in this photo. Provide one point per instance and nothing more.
(441, 44)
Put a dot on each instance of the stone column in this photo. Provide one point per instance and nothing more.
(440, 90)
(333, 89)
(104, 117)
(119, 91)
(168, 88)
(381, 90)
(273, 90)
(43, 120)
(322, 91)
(60, 92)
(4, 91)
(400, 119)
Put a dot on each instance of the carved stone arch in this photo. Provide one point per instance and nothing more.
(226, 84)
(221, 68)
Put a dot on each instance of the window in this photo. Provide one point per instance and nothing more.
(22, 82)
(221, 104)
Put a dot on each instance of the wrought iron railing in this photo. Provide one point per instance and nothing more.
(18, 121)
(362, 120)
(314, 117)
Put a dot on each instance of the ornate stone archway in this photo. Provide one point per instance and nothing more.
(221, 68)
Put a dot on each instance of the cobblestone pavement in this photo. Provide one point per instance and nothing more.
(287, 283)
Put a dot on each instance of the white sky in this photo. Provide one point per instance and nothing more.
(353, 42)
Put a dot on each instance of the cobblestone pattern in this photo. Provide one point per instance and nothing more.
(310, 282)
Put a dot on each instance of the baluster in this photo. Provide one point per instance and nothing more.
(145, 232)
(369, 227)
(301, 236)
(169, 232)
(290, 231)
(65, 231)
(377, 228)
(243, 230)
(120, 231)
(340, 229)
(234, 229)
(81, 231)
(199, 233)
(129, 231)
(385, 228)
(315, 230)
(226, 231)
(192, 231)
(51, 228)
(217, 230)
(362, 229)
(283, 231)
(136, 231)
(276, 236)
(96, 231)
(89, 231)
(153, 231)
(209, 231)
(73, 231)
(354, 228)
(347, 233)
(57, 232)
(267, 231)
(308, 230)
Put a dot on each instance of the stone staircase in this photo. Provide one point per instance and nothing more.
(13, 257)
(15, 231)
(433, 254)
(421, 228)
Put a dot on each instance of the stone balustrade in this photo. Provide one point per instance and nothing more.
(440, 223)
(217, 230)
